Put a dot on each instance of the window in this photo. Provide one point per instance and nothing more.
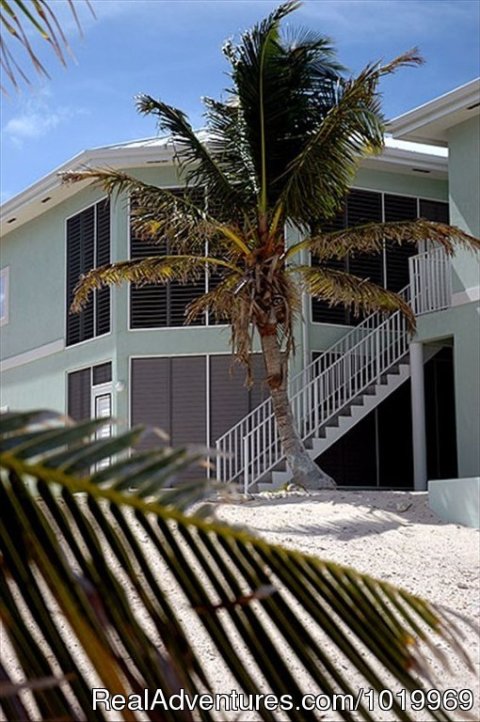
(388, 268)
(162, 306)
(84, 389)
(89, 395)
(4, 295)
(88, 246)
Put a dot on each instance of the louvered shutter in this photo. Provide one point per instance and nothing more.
(80, 259)
(214, 273)
(157, 306)
(79, 395)
(434, 211)
(150, 396)
(188, 389)
(230, 399)
(102, 373)
(365, 207)
(102, 300)
(322, 312)
(399, 208)
(148, 303)
(180, 295)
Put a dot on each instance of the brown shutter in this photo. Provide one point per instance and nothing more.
(230, 399)
(188, 411)
(150, 394)
(259, 391)
(399, 208)
(434, 211)
(80, 259)
(322, 312)
(79, 395)
(102, 300)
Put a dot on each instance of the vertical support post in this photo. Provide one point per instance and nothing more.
(418, 417)
(246, 464)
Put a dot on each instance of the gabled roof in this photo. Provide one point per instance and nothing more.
(398, 156)
(429, 123)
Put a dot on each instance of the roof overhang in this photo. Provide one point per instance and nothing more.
(430, 123)
(48, 192)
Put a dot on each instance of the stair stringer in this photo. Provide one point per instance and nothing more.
(348, 417)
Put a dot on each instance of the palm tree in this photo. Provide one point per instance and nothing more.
(108, 582)
(282, 151)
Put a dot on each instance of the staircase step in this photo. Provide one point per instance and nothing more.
(347, 418)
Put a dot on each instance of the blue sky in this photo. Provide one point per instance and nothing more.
(171, 49)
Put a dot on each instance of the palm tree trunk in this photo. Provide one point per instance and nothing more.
(304, 470)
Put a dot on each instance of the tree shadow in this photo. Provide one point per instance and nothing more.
(377, 512)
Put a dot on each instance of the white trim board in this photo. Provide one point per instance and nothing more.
(34, 355)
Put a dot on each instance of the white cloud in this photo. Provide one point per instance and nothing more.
(37, 117)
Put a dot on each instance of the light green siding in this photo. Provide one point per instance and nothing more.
(35, 253)
(462, 324)
(464, 174)
(402, 183)
(464, 186)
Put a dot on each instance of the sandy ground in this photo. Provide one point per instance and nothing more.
(391, 535)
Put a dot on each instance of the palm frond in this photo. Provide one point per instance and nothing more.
(154, 269)
(218, 302)
(16, 17)
(353, 127)
(162, 213)
(136, 585)
(369, 238)
(339, 288)
(227, 141)
(201, 166)
(280, 87)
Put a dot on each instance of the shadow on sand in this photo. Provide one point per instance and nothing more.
(377, 512)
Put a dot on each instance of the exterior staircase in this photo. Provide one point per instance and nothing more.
(339, 388)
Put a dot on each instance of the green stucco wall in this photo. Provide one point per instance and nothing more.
(462, 324)
(35, 253)
(464, 190)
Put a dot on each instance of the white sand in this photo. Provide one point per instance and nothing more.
(391, 535)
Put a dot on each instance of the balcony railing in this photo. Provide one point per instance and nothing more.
(430, 281)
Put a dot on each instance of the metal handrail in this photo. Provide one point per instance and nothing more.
(331, 391)
(251, 447)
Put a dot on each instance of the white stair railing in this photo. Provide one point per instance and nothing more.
(322, 389)
(230, 447)
(324, 396)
